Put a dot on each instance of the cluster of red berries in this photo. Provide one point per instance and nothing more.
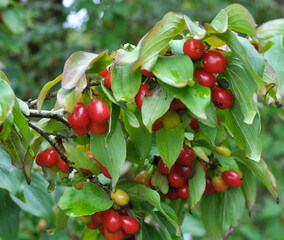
(114, 225)
(229, 178)
(94, 118)
(50, 158)
(181, 171)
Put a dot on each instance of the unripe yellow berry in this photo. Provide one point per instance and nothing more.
(120, 197)
(224, 151)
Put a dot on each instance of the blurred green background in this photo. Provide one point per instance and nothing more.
(36, 37)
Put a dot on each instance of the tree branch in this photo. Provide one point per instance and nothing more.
(57, 115)
(48, 96)
(94, 83)
(51, 142)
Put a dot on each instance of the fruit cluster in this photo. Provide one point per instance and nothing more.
(50, 158)
(94, 118)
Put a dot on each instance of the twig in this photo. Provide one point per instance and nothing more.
(51, 142)
(57, 115)
(48, 96)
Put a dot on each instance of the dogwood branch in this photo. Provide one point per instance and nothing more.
(48, 96)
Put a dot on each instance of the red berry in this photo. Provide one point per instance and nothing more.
(98, 128)
(163, 168)
(219, 184)
(39, 159)
(86, 171)
(92, 225)
(157, 126)
(205, 78)
(222, 98)
(80, 117)
(147, 73)
(232, 178)
(63, 167)
(81, 132)
(112, 220)
(98, 217)
(113, 236)
(143, 177)
(177, 104)
(209, 189)
(194, 124)
(122, 212)
(185, 171)
(186, 156)
(255, 46)
(50, 157)
(175, 179)
(1, 128)
(103, 73)
(130, 225)
(102, 167)
(183, 192)
(172, 194)
(193, 48)
(204, 167)
(214, 62)
(108, 80)
(98, 111)
(141, 94)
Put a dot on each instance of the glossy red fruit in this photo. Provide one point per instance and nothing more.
(108, 80)
(177, 104)
(158, 124)
(92, 225)
(103, 73)
(122, 212)
(209, 189)
(183, 192)
(185, 171)
(163, 168)
(232, 178)
(50, 157)
(63, 167)
(186, 156)
(112, 221)
(214, 62)
(130, 225)
(194, 124)
(141, 94)
(113, 236)
(98, 111)
(98, 217)
(80, 117)
(222, 98)
(39, 159)
(172, 194)
(205, 78)
(143, 177)
(86, 171)
(219, 184)
(81, 132)
(175, 179)
(102, 167)
(193, 48)
(98, 128)
(147, 73)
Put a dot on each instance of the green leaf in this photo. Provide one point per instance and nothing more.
(220, 22)
(44, 91)
(147, 232)
(169, 143)
(154, 106)
(161, 181)
(250, 134)
(212, 120)
(175, 70)
(195, 29)
(13, 18)
(9, 217)
(7, 99)
(248, 186)
(196, 185)
(111, 156)
(50, 175)
(75, 68)
(178, 207)
(68, 98)
(80, 159)
(177, 46)
(90, 234)
(124, 57)
(196, 98)
(83, 202)
(261, 170)
(199, 152)
(158, 38)
(125, 84)
(271, 28)
(38, 202)
(243, 88)
(7, 126)
(100, 62)
(209, 132)
(240, 19)
(140, 137)
(4, 3)
(221, 211)
(114, 117)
